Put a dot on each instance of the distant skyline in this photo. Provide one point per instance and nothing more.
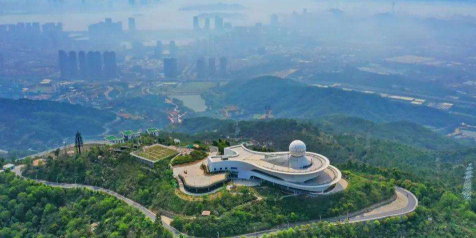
(167, 15)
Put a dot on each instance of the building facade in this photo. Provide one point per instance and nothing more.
(295, 170)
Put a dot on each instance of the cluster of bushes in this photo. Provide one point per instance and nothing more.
(442, 212)
(29, 209)
(195, 155)
(267, 213)
(121, 173)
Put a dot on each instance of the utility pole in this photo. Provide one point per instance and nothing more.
(467, 187)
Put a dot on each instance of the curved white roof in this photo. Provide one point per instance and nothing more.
(317, 162)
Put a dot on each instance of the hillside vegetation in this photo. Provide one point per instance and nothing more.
(154, 188)
(441, 212)
(402, 145)
(26, 124)
(405, 132)
(28, 209)
(290, 99)
(372, 167)
(143, 112)
(237, 211)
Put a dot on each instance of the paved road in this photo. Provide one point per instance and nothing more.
(148, 213)
(411, 205)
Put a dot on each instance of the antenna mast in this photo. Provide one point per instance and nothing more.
(468, 177)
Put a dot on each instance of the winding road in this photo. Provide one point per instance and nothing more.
(381, 212)
(148, 213)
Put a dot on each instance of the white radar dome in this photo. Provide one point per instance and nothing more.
(297, 148)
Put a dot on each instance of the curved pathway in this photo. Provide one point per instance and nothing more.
(380, 212)
(148, 213)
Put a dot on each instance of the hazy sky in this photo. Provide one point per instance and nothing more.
(167, 15)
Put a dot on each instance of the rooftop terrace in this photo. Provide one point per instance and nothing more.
(272, 161)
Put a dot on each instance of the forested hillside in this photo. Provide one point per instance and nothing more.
(235, 211)
(404, 132)
(372, 168)
(142, 112)
(290, 99)
(441, 212)
(153, 188)
(400, 131)
(28, 209)
(26, 124)
(402, 145)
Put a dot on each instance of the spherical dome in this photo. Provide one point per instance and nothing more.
(297, 148)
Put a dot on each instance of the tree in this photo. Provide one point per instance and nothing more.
(57, 152)
(78, 142)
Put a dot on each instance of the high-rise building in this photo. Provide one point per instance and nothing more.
(110, 64)
(201, 68)
(196, 24)
(105, 30)
(64, 65)
(170, 67)
(132, 25)
(223, 65)
(218, 23)
(73, 64)
(274, 20)
(36, 27)
(83, 68)
(94, 64)
(158, 50)
(207, 24)
(173, 49)
(138, 48)
(211, 66)
(52, 28)
(2, 63)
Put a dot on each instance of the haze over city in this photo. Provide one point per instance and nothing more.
(237, 118)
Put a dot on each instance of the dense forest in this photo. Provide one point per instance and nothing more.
(154, 188)
(29, 209)
(38, 125)
(392, 145)
(441, 212)
(404, 132)
(143, 112)
(290, 99)
(275, 211)
(372, 165)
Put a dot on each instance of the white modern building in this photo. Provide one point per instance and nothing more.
(9, 167)
(296, 169)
